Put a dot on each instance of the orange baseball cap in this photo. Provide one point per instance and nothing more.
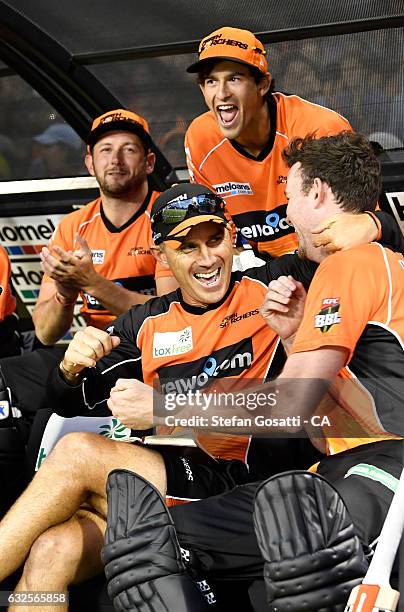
(119, 120)
(232, 44)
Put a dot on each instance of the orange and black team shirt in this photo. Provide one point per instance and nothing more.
(8, 320)
(186, 348)
(254, 188)
(121, 255)
(356, 301)
(7, 299)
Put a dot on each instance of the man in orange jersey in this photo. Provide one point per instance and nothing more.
(100, 253)
(236, 147)
(311, 530)
(203, 332)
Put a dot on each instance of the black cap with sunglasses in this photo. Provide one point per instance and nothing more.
(177, 210)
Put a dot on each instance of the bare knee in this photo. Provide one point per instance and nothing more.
(50, 554)
(76, 447)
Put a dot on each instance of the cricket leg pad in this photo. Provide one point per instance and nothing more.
(312, 555)
(141, 554)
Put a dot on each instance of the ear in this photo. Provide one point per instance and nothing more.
(319, 192)
(202, 88)
(264, 84)
(150, 162)
(159, 255)
(88, 160)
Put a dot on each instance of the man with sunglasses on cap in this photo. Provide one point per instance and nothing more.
(209, 329)
(99, 253)
(236, 147)
(204, 329)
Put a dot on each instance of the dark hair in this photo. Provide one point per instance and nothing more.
(346, 162)
(209, 64)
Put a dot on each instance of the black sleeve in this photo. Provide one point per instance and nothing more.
(89, 398)
(392, 235)
(302, 270)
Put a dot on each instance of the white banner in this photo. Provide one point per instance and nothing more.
(57, 427)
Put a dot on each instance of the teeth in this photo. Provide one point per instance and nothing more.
(208, 275)
(226, 107)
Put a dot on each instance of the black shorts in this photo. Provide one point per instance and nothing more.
(195, 476)
(218, 532)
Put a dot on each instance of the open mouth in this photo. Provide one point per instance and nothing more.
(208, 279)
(227, 113)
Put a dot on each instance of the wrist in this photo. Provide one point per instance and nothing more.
(92, 283)
(63, 300)
(68, 374)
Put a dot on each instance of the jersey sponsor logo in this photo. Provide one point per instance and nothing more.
(231, 360)
(230, 188)
(328, 315)
(139, 251)
(234, 318)
(263, 226)
(98, 256)
(167, 344)
(281, 179)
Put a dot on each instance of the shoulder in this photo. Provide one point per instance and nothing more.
(203, 134)
(302, 270)
(314, 117)
(363, 261)
(153, 197)
(83, 215)
(155, 307)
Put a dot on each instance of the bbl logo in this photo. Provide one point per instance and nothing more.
(328, 315)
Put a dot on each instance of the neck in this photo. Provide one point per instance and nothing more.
(119, 210)
(256, 135)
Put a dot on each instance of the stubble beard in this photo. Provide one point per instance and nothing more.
(125, 188)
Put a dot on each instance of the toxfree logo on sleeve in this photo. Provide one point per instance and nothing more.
(167, 344)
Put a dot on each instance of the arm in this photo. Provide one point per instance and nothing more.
(166, 284)
(53, 312)
(93, 362)
(78, 271)
(346, 230)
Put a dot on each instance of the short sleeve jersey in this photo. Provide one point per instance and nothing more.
(186, 348)
(356, 301)
(7, 299)
(121, 255)
(254, 188)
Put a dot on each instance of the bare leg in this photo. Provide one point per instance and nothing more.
(75, 472)
(63, 555)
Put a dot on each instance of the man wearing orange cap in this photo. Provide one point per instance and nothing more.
(235, 148)
(100, 253)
